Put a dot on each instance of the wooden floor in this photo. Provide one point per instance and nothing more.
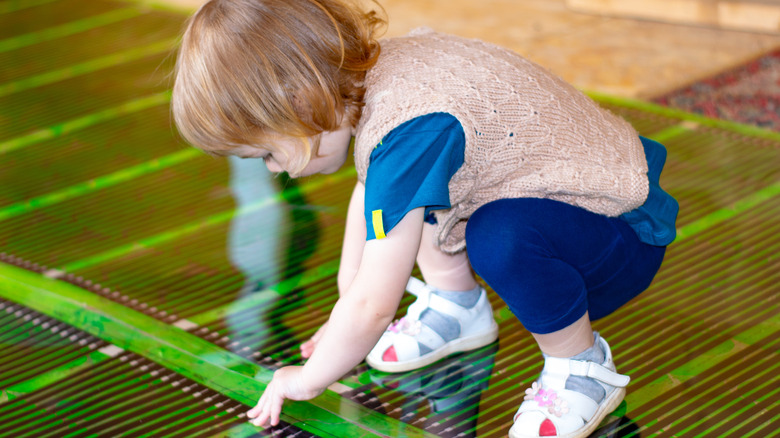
(607, 52)
(149, 290)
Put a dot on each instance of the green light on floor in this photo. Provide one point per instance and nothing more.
(67, 29)
(99, 183)
(84, 122)
(310, 276)
(243, 430)
(724, 214)
(87, 67)
(52, 376)
(17, 5)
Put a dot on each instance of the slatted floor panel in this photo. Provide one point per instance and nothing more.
(59, 381)
(149, 290)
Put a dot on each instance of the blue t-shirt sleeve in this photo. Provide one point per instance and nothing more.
(411, 167)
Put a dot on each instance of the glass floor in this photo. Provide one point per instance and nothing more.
(147, 289)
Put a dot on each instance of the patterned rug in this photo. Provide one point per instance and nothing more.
(747, 94)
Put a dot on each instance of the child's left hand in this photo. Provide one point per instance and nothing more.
(307, 348)
(287, 383)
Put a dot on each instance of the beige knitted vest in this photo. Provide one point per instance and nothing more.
(528, 133)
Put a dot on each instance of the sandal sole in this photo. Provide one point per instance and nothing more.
(455, 346)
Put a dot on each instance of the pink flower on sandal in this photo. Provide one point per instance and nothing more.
(559, 407)
(547, 398)
(396, 326)
(530, 393)
(403, 325)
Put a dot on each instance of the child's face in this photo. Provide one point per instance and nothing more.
(331, 155)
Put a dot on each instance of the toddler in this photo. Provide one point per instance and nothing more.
(470, 158)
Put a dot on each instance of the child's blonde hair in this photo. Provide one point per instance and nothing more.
(250, 70)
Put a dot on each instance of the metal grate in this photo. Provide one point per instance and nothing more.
(59, 381)
(99, 196)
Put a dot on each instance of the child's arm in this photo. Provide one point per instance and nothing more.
(351, 252)
(356, 323)
(354, 239)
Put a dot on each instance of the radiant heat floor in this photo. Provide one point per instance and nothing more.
(147, 289)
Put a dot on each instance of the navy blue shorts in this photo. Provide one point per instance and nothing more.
(551, 262)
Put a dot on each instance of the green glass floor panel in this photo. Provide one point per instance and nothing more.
(194, 262)
(59, 381)
(97, 191)
(707, 168)
(190, 356)
(24, 16)
(123, 143)
(78, 95)
(35, 345)
(115, 31)
(104, 220)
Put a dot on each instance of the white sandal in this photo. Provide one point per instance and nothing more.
(477, 329)
(550, 409)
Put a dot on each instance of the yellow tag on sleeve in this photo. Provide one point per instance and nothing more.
(379, 227)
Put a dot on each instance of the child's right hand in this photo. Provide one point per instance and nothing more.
(287, 383)
(307, 348)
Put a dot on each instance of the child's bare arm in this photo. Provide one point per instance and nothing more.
(364, 312)
(351, 252)
(357, 321)
(354, 239)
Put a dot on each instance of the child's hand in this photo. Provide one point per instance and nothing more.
(286, 384)
(307, 348)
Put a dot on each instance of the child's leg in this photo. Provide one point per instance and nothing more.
(569, 341)
(557, 266)
(443, 271)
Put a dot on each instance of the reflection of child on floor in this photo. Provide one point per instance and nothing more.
(467, 155)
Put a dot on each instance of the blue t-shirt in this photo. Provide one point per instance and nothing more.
(411, 167)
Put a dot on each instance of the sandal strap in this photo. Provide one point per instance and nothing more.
(598, 372)
(560, 368)
(424, 295)
(429, 337)
(415, 286)
(427, 299)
